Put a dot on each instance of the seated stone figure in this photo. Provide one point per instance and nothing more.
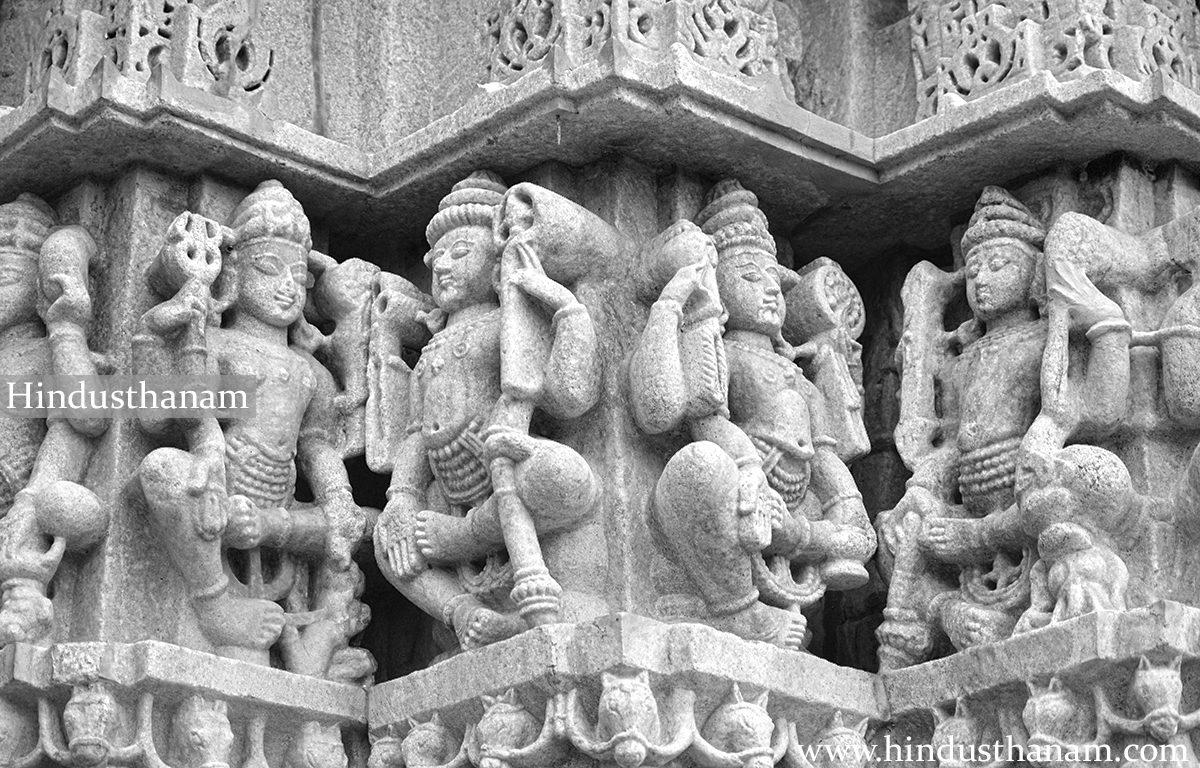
(44, 311)
(761, 482)
(968, 401)
(448, 506)
(234, 488)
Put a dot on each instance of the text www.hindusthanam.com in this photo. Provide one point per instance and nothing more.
(161, 397)
(1009, 750)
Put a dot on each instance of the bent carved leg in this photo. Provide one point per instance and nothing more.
(694, 512)
(229, 622)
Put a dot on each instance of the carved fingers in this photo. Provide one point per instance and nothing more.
(244, 528)
(530, 278)
(396, 541)
(1068, 283)
(688, 281)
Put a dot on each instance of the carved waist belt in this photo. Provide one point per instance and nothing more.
(991, 468)
(792, 486)
(459, 467)
(251, 470)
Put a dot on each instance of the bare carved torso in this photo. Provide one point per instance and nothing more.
(999, 399)
(459, 380)
(262, 450)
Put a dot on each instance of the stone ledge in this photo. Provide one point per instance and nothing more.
(865, 192)
(1082, 646)
(172, 672)
(556, 658)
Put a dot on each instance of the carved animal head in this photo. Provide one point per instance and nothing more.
(429, 744)
(1155, 687)
(91, 719)
(843, 747)
(505, 725)
(340, 290)
(200, 734)
(953, 732)
(387, 752)
(317, 746)
(738, 725)
(1080, 484)
(1054, 711)
(627, 704)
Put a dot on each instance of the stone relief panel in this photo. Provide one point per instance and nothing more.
(963, 49)
(206, 45)
(47, 309)
(758, 365)
(1036, 432)
(738, 37)
(473, 488)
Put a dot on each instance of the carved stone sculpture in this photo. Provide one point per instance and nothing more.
(969, 401)
(469, 478)
(762, 489)
(225, 509)
(45, 307)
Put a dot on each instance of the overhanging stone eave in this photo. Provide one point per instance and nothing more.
(557, 657)
(1089, 644)
(172, 673)
(621, 105)
(928, 168)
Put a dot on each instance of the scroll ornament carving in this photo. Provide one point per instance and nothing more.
(204, 45)
(963, 49)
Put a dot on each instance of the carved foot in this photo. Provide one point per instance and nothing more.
(238, 622)
(904, 640)
(764, 623)
(477, 625)
(956, 540)
(969, 625)
(444, 538)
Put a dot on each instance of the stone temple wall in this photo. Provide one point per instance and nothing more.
(713, 383)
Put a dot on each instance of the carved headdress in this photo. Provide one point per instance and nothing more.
(24, 225)
(731, 217)
(471, 202)
(271, 212)
(999, 215)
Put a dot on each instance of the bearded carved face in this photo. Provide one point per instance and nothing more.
(749, 287)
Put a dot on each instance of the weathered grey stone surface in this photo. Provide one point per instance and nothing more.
(636, 379)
